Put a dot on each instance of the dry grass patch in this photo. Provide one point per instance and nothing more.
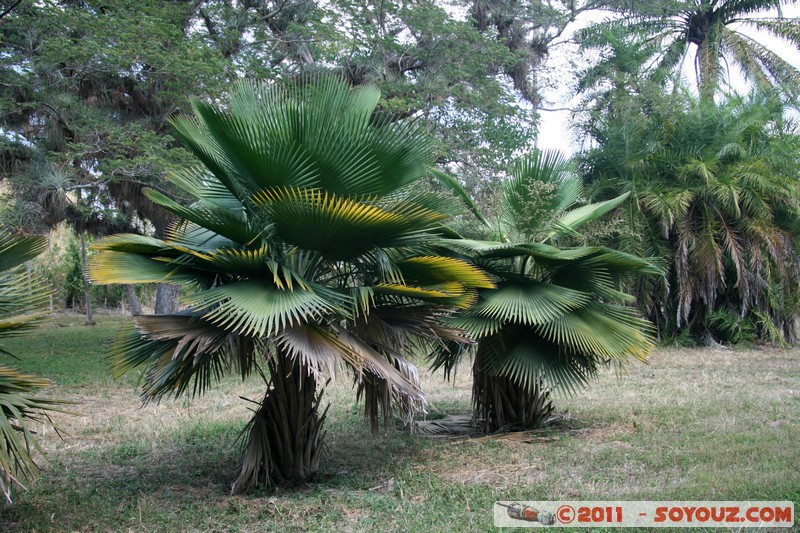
(693, 424)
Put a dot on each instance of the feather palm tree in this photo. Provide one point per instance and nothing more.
(715, 192)
(556, 315)
(23, 302)
(717, 33)
(308, 248)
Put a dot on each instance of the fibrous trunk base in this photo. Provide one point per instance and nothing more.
(285, 437)
(500, 404)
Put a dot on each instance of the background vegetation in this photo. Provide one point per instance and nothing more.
(88, 89)
(687, 117)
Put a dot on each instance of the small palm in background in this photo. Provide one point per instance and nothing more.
(556, 315)
(309, 246)
(23, 303)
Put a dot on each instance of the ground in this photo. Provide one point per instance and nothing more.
(690, 425)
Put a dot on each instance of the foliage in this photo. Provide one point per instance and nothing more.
(717, 34)
(715, 194)
(88, 89)
(428, 61)
(556, 315)
(308, 247)
(23, 301)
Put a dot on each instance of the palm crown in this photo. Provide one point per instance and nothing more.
(306, 246)
(669, 30)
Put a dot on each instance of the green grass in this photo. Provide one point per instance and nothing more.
(691, 425)
(70, 354)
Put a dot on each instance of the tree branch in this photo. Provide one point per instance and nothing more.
(10, 8)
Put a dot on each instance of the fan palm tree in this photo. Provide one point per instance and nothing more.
(715, 193)
(717, 32)
(309, 246)
(23, 302)
(556, 315)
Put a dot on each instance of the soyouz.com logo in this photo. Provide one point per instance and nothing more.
(643, 514)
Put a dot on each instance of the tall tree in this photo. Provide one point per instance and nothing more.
(715, 34)
(88, 88)
(308, 246)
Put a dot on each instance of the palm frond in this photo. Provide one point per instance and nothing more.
(575, 218)
(20, 406)
(528, 303)
(234, 225)
(433, 269)
(317, 348)
(455, 187)
(109, 267)
(23, 301)
(605, 331)
(181, 351)
(15, 251)
(341, 227)
(530, 360)
(257, 308)
(138, 244)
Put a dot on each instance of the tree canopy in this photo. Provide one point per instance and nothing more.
(714, 35)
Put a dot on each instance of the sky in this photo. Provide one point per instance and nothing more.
(554, 130)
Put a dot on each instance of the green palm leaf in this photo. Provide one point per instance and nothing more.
(340, 227)
(432, 269)
(14, 251)
(234, 225)
(20, 406)
(23, 302)
(575, 218)
(529, 360)
(528, 303)
(123, 267)
(605, 331)
(257, 308)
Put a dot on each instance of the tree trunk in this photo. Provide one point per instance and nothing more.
(500, 404)
(167, 298)
(87, 296)
(133, 301)
(285, 438)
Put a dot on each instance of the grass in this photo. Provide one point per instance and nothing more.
(691, 425)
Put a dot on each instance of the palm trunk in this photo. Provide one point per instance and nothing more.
(87, 296)
(133, 301)
(167, 298)
(285, 438)
(708, 69)
(499, 404)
